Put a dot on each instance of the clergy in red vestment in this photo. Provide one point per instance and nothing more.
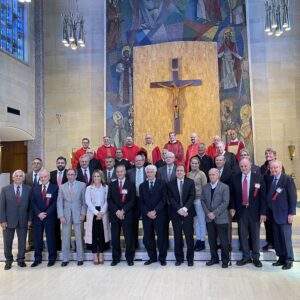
(130, 150)
(106, 150)
(192, 150)
(175, 147)
(235, 145)
(153, 152)
(212, 149)
(79, 152)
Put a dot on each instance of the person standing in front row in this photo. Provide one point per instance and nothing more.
(181, 193)
(215, 201)
(71, 210)
(153, 200)
(121, 202)
(97, 229)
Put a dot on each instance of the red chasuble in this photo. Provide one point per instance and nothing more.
(212, 151)
(177, 149)
(235, 147)
(130, 153)
(104, 152)
(191, 151)
(76, 155)
(153, 153)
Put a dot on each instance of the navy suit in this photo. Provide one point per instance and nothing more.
(154, 199)
(180, 223)
(39, 204)
(282, 200)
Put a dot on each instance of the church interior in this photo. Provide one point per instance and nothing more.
(74, 69)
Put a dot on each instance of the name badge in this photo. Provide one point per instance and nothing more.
(48, 195)
(278, 190)
(257, 185)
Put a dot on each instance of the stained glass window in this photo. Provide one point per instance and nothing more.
(12, 28)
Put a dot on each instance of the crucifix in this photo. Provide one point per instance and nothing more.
(176, 86)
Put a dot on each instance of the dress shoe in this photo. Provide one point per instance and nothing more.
(163, 262)
(51, 263)
(278, 263)
(178, 263)
(287, 266)
(212, 262)
(80, 263)
(7, 265)
(114, 263)
(257, 263)
(64, 263)
(224, 265)
(267, 247)
(243, 262)
(149, 262)
(190, 263)
(21, 264)
(35, 263)
(130, 263)
(199, 246)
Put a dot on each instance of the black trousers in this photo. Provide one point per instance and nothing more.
(214, 231)
(49, 227)
(158, 227)
(58, 235)
(249, 229)
(136, 219)
(98, 239)
(269, 227)
(116, 227)
(185, 225)
(8, 237)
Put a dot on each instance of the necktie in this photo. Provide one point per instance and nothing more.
(109, 176)
(59, 178)
(180, 191)
(35, 179)
(245, 191)
(120, 191)
(274, 183)
(44, 193)
(169, 173)
(151, 185)
(18, 195)
(86, 176)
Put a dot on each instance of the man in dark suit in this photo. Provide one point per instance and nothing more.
(225, 171)
(121, 202)
(230, 159)
(15, 215)
(254, 168)
(249, 205)
(162, 162)
(120, 160)
(182, 194)
(59, 177)
(110, 170)
(84, 170)
(153, 199)
(43, 201)
(94, 163)
(137, 176)
(282, 201)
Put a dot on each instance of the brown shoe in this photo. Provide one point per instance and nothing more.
(101, 259)
(96, 259)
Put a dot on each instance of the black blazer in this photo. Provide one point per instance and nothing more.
(53, 177)
(162, 173)
(38, 204)
(114, 200)
(80, 176)
(231, 160)
(124, 162)
(188, 197)
(257, 196)
(227, 175)
(156, 199)
(112, 178)
(131, 174)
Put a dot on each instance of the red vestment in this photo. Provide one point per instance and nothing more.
(177, 149)
(130, 152)
(191, 151)
(235, 147)
(153, 153)
(104, 152)
(212, 151)
(76, 155)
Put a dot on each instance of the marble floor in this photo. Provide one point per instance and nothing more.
(150, 282)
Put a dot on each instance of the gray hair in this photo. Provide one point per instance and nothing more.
(151, 168)
(18, 171)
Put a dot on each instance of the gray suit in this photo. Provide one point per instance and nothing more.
(17, 217)
(162, 173)
(71, 205)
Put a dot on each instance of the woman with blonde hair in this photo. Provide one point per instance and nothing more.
(97, 231)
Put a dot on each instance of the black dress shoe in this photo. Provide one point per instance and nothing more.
(163, 262)
(114, 263)
(190, 263)
(149, 262)
(278, 263)
(212, 262)
(64, 263)
(21, 264)
(243, 262)
(35, 263)
(224, 265)
(7, 265)
(287, 266)
(51, 263)
(197, 246)
(80, 263)
(257, 263)
(178, 263)
(130, 263)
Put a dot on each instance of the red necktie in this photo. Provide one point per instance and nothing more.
(120, 191)
(245, 192)
(18, 195)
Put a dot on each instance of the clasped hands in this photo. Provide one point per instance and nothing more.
(152, 214)
(120, 214)
(183, 211)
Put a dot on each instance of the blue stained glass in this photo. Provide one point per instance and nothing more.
(12, 28)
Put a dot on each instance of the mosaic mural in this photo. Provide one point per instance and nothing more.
(144, 22)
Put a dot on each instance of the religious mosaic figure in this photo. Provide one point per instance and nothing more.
(236, 9)
(149, 12)
(246, 128)
(118, 131)
(113, 24)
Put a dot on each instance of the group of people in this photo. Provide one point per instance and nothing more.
(105, 191)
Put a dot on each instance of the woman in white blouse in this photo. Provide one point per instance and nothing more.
(97, 231)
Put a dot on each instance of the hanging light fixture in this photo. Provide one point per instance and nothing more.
(73, 34)
(277, 18)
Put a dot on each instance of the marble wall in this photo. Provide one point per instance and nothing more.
(275, 76)
(73, 81)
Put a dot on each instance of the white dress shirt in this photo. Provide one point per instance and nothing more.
(15, 188)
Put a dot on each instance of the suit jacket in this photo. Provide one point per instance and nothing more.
(53, 177)
(155, 199)
(218, 204)
(162, 173)
(257, 196)
(132, 173)
(231, 161)
(11, 212)
(160, 163)
(188, 197)
(114, 200)
(39, 205)
(112, 178)
(124, 162)
(29, 179)
(71, 205)
(226, 176)
(80, 176)
(283, 200)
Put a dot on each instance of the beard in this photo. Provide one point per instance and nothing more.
(60, 168)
